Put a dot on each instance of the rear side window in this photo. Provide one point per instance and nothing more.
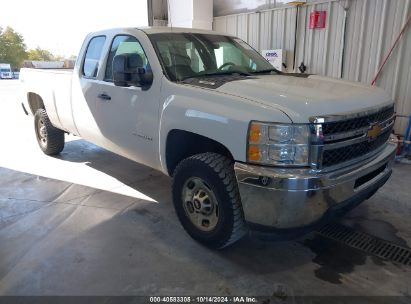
(123, 44)
(93, 55)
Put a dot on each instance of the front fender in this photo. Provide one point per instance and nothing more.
(218, 116)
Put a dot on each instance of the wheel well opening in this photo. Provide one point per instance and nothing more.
(35, 102)
(182, 144)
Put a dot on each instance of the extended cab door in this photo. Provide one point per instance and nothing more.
(126, 118)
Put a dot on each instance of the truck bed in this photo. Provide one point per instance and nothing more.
(53, 70)
(54, 88)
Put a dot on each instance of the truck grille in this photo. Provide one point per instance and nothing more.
(340, 155)
(357, 123)
(338, 141)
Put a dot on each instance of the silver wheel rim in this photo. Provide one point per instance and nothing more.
(200, 204)
(42, 132)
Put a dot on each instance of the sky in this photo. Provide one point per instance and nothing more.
(60, 25)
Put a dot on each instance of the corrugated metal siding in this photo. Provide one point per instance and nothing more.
(372, 26)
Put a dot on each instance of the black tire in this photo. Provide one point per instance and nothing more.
(218, 174)
(49, 138)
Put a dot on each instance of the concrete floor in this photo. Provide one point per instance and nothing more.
(92, 223)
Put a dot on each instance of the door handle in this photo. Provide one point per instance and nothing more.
(104, 96)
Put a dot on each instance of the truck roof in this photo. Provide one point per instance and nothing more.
(161, 29)
(167, 29)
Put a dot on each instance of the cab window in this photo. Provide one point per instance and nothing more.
(124, 44)
(93, 55)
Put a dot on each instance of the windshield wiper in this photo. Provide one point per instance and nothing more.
(217, 74)
(267, 71)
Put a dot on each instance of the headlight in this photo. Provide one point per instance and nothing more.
(278, 144)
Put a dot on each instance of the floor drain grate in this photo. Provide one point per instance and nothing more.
(367, 243)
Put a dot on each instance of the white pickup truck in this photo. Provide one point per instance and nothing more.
(249, 148)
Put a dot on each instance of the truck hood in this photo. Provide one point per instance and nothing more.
(303, 97)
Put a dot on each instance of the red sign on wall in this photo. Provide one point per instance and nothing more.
(318, 19)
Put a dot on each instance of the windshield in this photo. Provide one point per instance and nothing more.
(5, 70)
(187, 55)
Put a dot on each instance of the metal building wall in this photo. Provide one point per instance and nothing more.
(372, 26)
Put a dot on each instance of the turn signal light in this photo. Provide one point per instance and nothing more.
(254, 153)
(254, 133)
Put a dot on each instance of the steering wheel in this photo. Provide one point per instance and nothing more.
(225, 64)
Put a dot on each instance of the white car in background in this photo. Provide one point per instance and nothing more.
(5, 71)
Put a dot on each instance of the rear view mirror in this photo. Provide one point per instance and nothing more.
(128, 70)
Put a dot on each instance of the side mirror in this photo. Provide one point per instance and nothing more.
(128, 70)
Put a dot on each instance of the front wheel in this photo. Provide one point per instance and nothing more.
(207, 201)
(49, 138)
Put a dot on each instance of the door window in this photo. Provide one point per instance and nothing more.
(93, 55)
(124, 44)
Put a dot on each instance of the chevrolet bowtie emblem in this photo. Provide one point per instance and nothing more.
(374, 132)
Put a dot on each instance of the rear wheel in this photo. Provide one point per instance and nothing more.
(49, 138)
(207, 201)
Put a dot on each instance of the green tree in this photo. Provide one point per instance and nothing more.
(12, 47)
(39, 54)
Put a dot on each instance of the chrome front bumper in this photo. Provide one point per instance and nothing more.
(296, 198)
